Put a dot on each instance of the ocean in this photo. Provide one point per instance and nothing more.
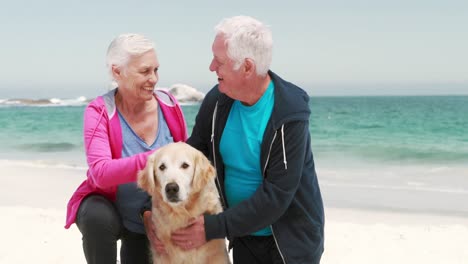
(389, 152)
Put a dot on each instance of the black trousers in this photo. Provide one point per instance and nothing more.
(101, 227)
(256, 250)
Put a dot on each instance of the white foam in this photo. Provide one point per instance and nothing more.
(81, 100)
(185, 94)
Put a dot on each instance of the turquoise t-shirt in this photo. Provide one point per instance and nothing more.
(240, 148)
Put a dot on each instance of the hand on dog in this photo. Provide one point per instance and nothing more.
(151, 233)
(192, 236)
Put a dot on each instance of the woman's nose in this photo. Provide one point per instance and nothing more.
(154, 77)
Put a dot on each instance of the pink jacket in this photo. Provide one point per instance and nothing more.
(107, 169)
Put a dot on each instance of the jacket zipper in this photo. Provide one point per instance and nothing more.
(214, 153)
(264, 170)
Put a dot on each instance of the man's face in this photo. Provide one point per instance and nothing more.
(230, 81)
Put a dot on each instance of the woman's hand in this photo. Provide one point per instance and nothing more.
(192, 236)
(156, 244)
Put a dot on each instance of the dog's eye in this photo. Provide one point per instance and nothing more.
(162, 167)
(184, 165)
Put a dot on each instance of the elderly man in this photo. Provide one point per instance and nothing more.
(254, 127)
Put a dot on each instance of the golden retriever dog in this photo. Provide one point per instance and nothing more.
(180, 180)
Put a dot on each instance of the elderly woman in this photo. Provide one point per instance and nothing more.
(121, 128)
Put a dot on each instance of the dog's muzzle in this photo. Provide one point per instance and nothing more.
(172, 192)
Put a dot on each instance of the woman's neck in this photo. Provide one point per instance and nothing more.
(134, 107)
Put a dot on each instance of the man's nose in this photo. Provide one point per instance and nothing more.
(213, 66)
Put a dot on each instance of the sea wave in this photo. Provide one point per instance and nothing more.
(391, 151)
(410, 187)
(48, 147)
(41, 164)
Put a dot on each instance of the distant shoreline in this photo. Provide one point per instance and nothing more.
(81, 100)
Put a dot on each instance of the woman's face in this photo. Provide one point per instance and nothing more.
(139, 77)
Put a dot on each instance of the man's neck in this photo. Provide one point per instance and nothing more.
(258, 87)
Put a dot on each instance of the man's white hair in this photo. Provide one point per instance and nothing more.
(249, 38)
(123, 47)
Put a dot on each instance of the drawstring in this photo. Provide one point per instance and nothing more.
(284, 149)
(223, 201)
(213, 124)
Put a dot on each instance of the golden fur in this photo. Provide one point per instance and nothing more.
(191, 171)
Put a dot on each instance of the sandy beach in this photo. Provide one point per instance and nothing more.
(33, 200)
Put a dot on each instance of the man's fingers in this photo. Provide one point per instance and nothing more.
(179, 238)
(192, 221)
(183, 231)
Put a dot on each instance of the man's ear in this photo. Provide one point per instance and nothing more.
(249, 67)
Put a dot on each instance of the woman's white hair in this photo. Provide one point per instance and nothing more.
(247, 37)
(123, 47)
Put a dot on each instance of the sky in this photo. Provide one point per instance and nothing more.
(54, 48)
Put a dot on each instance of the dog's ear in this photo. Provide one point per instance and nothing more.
(146, 176)
(204, 171)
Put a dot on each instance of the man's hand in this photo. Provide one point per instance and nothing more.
(156, 244)
(191, 236)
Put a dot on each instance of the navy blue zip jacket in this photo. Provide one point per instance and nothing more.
(289, 199)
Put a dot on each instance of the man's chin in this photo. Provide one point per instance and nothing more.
(221, 88)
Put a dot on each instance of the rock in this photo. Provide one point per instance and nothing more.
(185, 93)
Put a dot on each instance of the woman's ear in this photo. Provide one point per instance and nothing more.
(116, 72)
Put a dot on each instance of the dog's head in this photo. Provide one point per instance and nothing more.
(175, 172)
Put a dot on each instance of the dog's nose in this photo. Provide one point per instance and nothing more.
(172, 188)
